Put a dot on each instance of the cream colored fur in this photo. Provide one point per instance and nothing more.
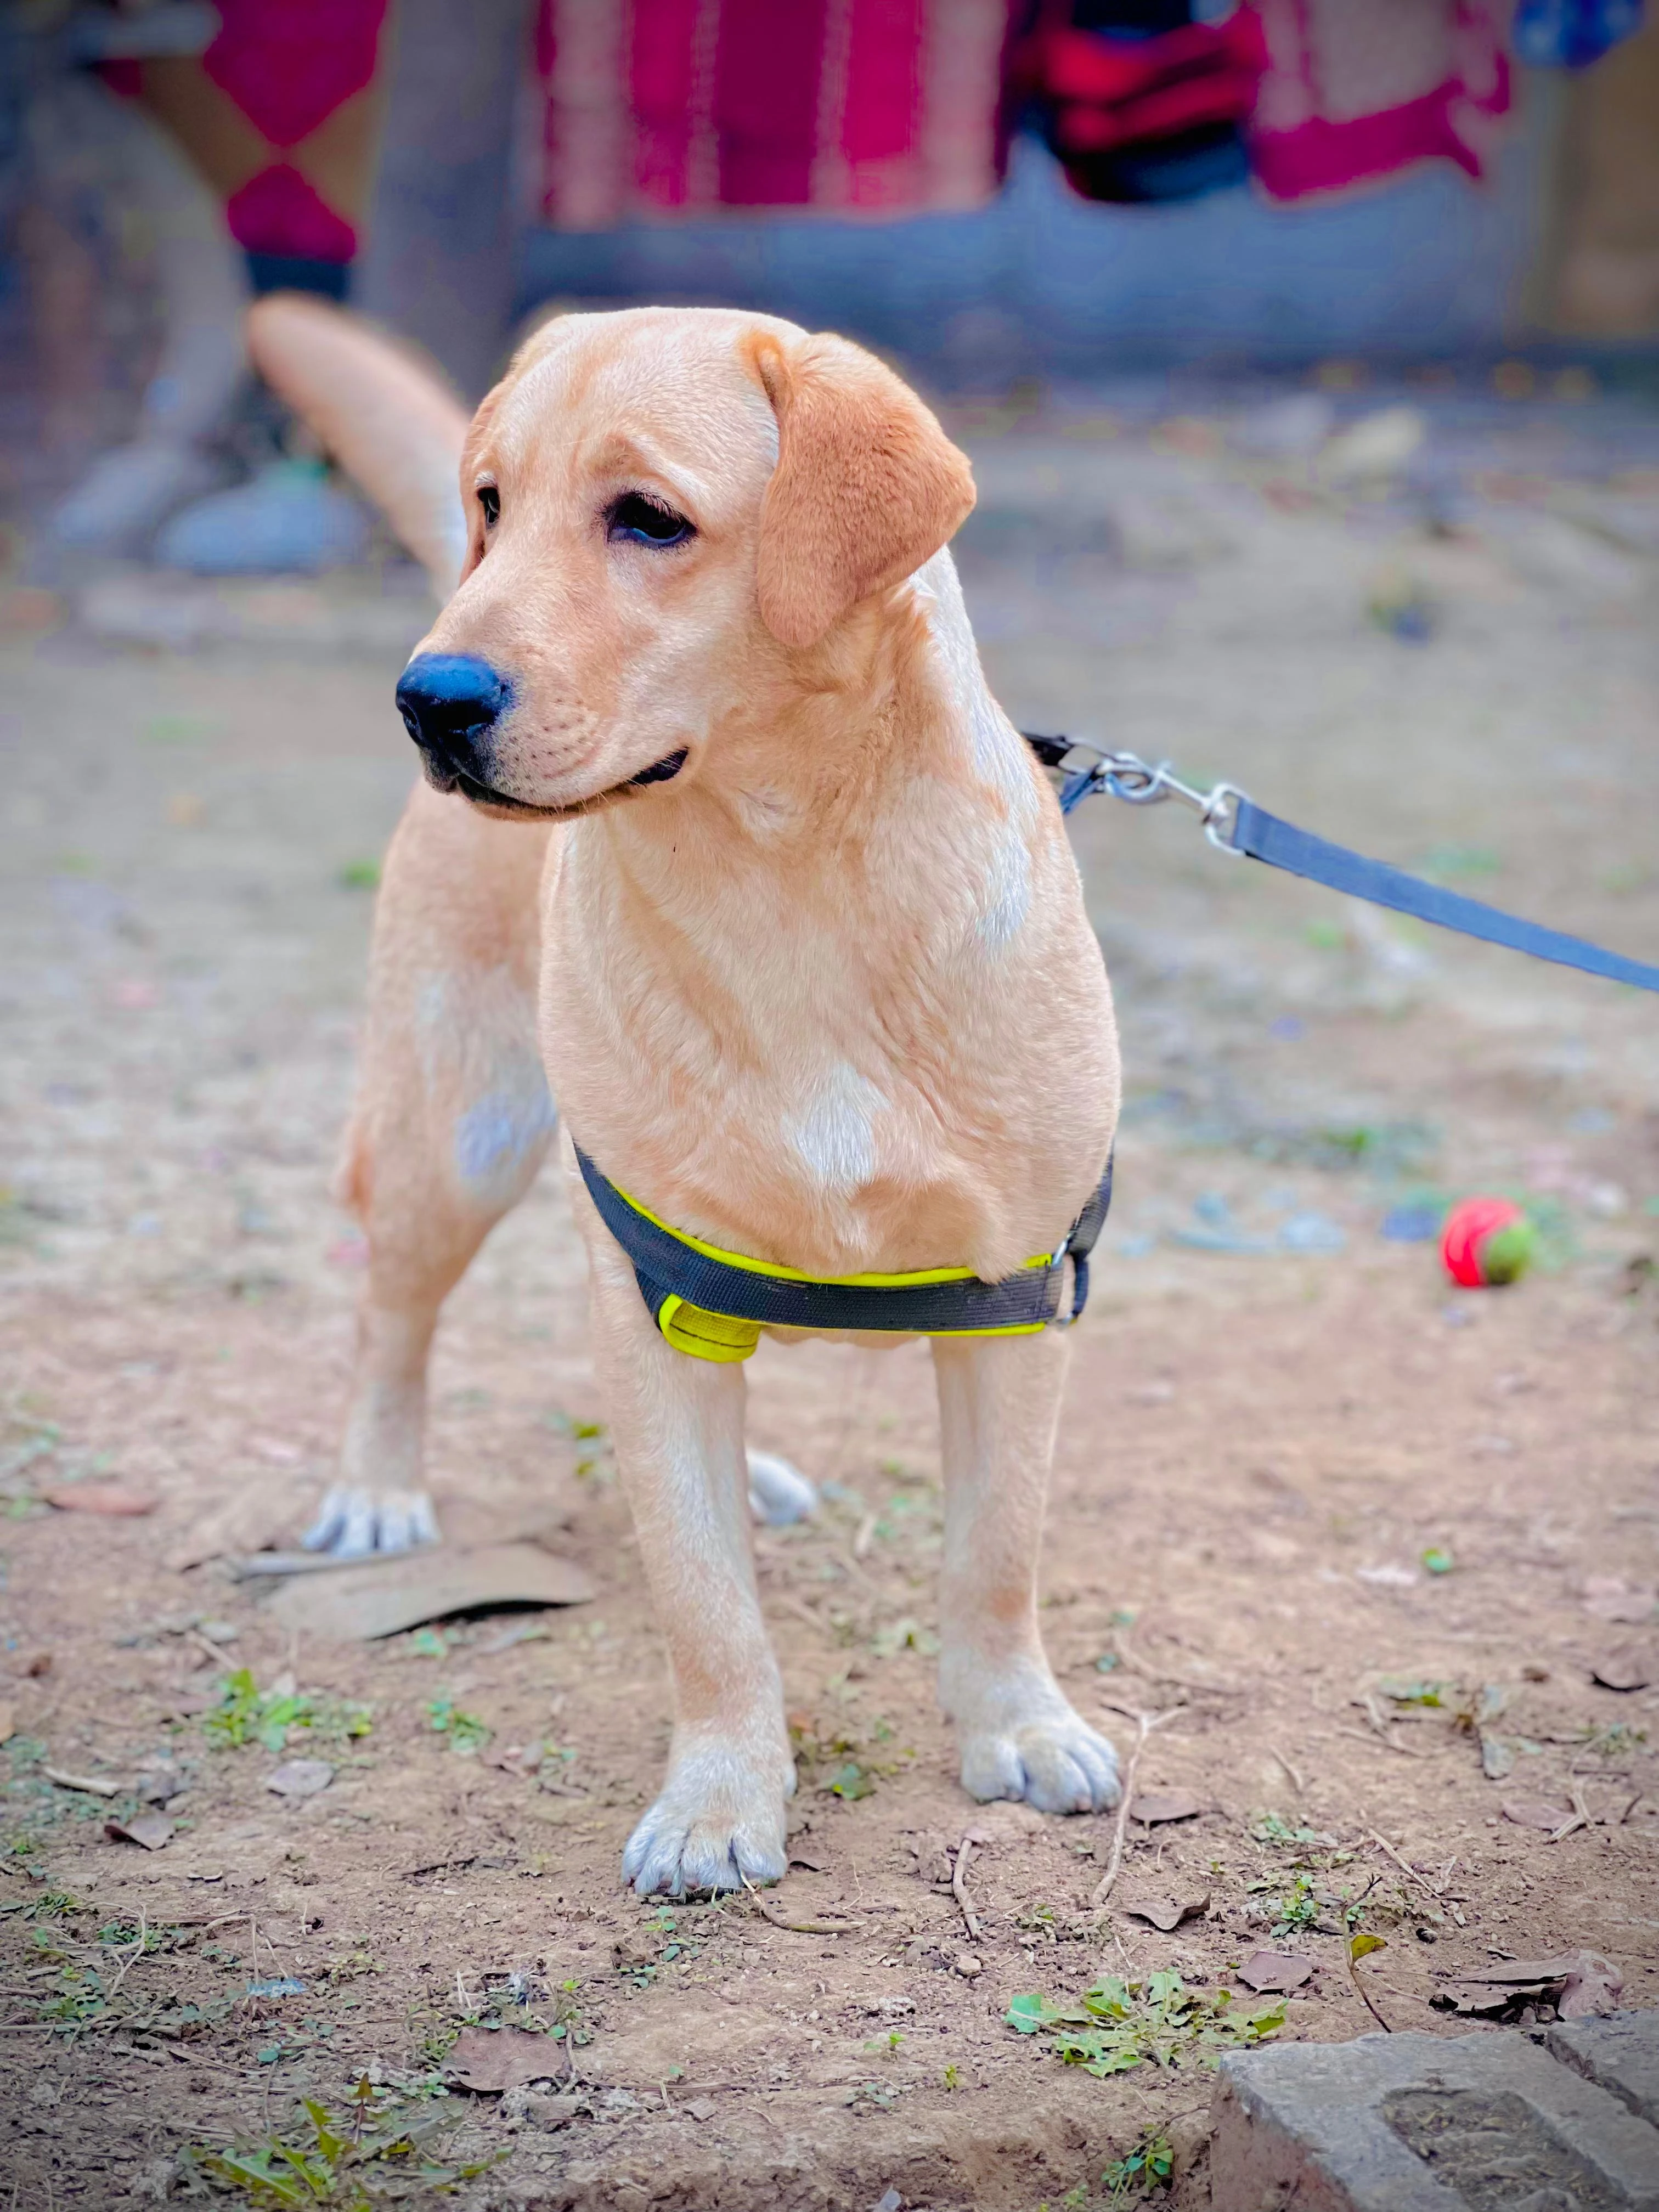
(830, 997)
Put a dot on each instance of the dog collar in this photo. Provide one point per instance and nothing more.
(712, 1304)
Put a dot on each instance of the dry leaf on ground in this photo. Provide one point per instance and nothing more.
(1275, 1971)
(488, 2060)
(299, 1777)
(1611, 1598)
(152, 1830)
(1535, 1813)
(1154, 1807)
(1626, 1669)
(365, 1603)
(1578, 1983)
(116, 1500)
(1166, 1912)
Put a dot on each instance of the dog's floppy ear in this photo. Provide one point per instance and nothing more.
(867, 485)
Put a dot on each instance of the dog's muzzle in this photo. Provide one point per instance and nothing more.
(451, 703)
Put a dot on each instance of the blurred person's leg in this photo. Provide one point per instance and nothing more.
(87, 143)
(438, 263)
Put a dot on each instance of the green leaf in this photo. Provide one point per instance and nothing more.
(1110, 1996)
(1113, 2062)
(1438, 1561)
(1412, 1694)
(1361, 1946)
(330, 2145)
(1028, 2014)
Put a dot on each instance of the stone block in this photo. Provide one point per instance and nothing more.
(1425, 2124)
(1620, 2053)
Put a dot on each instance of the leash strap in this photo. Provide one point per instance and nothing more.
(1263, 836)
(712, 1304)
(1234, 824)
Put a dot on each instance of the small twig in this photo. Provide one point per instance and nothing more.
(1296, 1782)
(134, 1951)
(807, 1927)
(89, 1782)
(797, 1927)
(1145, 1723)
(1136, 1665)
(1388, 1742)
(959, 1887)
(1581, 1818)
(1360, 1992)
(1408, 1870)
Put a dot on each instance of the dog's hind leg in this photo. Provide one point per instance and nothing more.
(1016, 1733)
(452, 1121)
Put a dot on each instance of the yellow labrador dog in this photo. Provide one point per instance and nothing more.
(725, 845)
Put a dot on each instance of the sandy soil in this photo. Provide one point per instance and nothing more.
(1260, 1445)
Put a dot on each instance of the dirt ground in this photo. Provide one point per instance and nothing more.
(1301, 1483)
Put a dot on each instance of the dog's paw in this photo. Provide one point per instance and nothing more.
(718, 1824)
(357, 1523)
(778, 1494)
(1055, 1761)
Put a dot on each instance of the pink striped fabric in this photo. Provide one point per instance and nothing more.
(678, 107)
(1356, 91)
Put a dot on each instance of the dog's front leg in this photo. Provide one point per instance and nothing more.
(1016, 1732)
(677, 1424)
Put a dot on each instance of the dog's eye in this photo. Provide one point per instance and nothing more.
(489, 500)
(642, 521)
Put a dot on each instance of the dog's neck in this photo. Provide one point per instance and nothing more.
(864, 875)
(890, 722)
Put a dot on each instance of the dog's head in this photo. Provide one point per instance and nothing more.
(670, 509)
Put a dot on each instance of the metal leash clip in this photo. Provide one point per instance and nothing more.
(1139, 783)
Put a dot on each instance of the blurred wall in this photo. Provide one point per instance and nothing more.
(1041, 282)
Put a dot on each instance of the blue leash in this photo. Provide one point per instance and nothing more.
(1235, 825)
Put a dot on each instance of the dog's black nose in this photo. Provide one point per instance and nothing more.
(450, 701)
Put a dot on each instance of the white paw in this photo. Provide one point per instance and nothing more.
(355, 1523)
(719, 1823)
(1055, 1761)
(778, 1494)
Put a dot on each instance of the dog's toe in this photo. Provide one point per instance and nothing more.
(717, 1825)
(778, 1494)
(1057, 1763)
(357, 1523)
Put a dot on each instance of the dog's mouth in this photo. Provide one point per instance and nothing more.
(448, 778)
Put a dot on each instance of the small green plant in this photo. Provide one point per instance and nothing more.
(328, 2169)
(1406, 1692)
(1116, 2026)
(1149, 2166)
(246, 1714)
(1296, 1910)
(1278, 1835)
(952, 2078)
(906, 1635)
(887, 2046)
(463, 1732)
(360, 876)
(852, 1782)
